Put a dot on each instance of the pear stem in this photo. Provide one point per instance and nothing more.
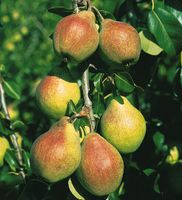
(87, 101)
(89, 4)
(13, 137)
(98, 13)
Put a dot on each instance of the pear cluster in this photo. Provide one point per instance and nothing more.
(57, 153)
(77, 37)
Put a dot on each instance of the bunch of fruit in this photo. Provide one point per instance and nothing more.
(97, 161)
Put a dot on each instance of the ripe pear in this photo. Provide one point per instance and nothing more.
(53, 95)
(123, 126)
(101, 168)
(119, 42)
(4, 145)
(56, 154)
(76, 36)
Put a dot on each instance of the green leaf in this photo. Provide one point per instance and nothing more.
(98, 104)
(158, 139)
(156, 184)
(177, 83)
(166, 30)
(61, 11)
(18, 125)
(97, 82)
(11, 89)
(26, 161)
(2, 68)
(10, 179)
(71, 108)
(11, 160)
(124, 83)
(118, 98)
(176, 13)
(107, 14)
(148, 171)
(81, 123)
(148, 46)
(5, 126)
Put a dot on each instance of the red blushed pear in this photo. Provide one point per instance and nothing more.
(56, 154)
(119, 43)
(76, 36)
(101, 167)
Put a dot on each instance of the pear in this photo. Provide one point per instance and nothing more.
(101, 168)
(53, 95)
(56, 154)
(4, 145)
(123, 126)
(119, 42)
(76, 36)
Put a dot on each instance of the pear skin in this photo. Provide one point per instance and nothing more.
(76, 36)
(56, 154)
(101, 168)
(4, 145)
(53, 95)
(123, 126)
(119, 42)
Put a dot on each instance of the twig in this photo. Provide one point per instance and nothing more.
(75, 6)
(13, 137)
(88, 102)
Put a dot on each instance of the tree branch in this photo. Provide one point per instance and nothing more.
(13, 137)
(75, 6)
(88, 102)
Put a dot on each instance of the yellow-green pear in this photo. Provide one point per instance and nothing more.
(123, 126)
(101, 168)
(56, 154)
(4, 145)
(53, 95)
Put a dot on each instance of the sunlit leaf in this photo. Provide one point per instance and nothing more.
(148, 46)
(74, 192)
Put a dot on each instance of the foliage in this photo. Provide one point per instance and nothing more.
(153, 85)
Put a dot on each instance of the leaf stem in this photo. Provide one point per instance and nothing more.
(153, 4)
(13, 137)
(87, 101)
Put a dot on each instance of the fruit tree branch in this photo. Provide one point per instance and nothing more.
(88, 102)
(13, 137)
(75, 6)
